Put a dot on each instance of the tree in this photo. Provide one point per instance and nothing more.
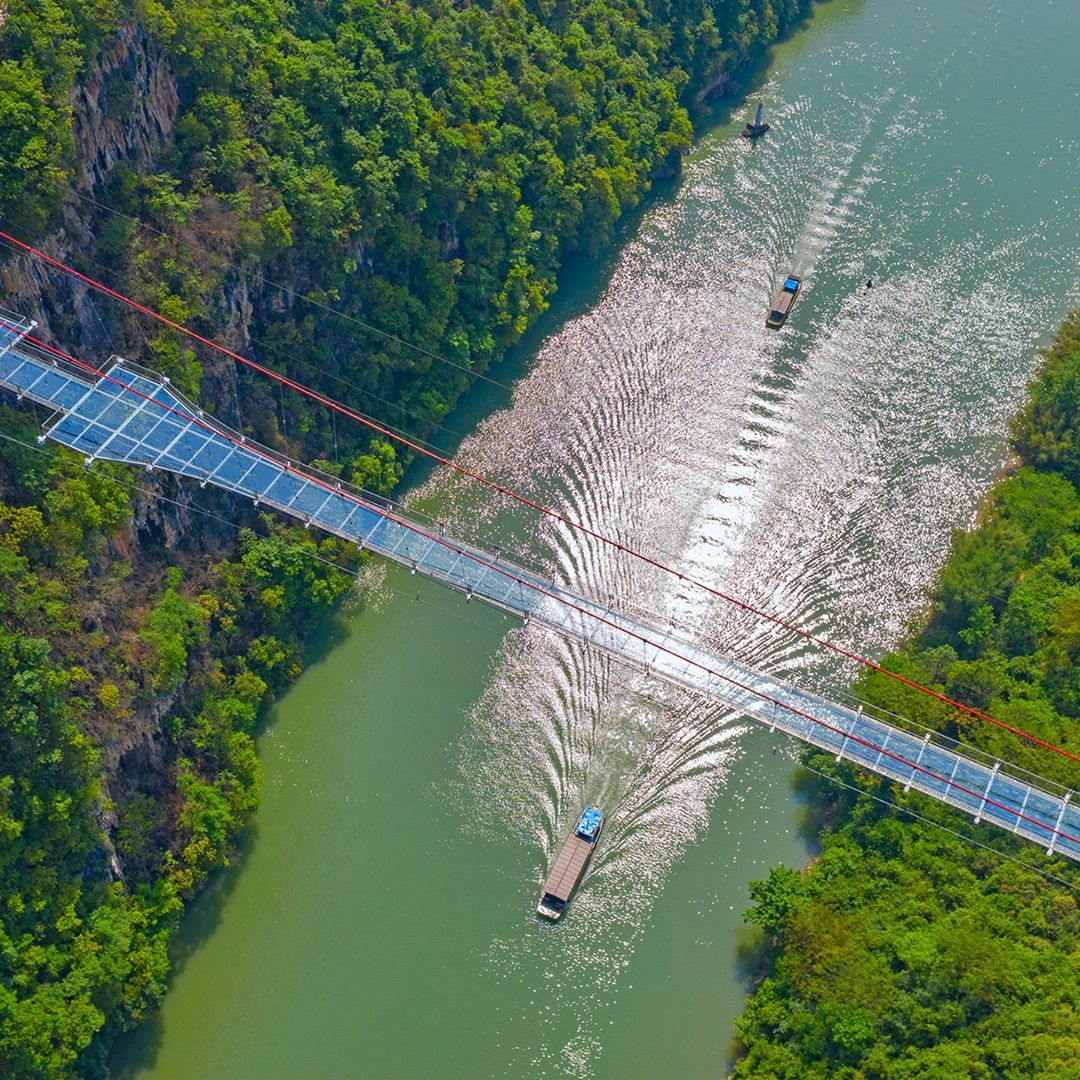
(782, 893)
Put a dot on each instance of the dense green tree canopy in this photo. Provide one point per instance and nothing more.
(906, 952)
(90, 888)
(424, 168)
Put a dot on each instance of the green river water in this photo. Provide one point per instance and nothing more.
(420, 775)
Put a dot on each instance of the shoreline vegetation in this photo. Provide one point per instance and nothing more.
(424, 168)
(97, 635)
(905, 952)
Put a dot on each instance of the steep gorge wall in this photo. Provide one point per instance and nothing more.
(133, 70)
(123, 112)
(421, 168)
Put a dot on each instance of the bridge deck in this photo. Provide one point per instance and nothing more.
(131, 415)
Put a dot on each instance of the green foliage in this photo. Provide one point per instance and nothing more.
(425, 168)
(140, 835)
(1045, 432)
(45, 46)
(83, 508)
(78, 956)
(175, 625)
(378, 469)
(919, 952)
(905, 952)
(776, 899)
(82, 954)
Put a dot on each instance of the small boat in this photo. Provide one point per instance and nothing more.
(570, 864)
(782, 303)
(758, 127)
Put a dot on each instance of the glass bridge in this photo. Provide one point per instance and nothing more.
(127, 414)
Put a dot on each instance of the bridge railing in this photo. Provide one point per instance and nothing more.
(937, 737)
(130, 414)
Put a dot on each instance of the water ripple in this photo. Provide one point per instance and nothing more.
(817, 472)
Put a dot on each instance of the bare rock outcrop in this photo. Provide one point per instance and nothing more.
(123, 109)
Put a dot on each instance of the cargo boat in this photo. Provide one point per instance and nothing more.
(570, 864)
(782, 303)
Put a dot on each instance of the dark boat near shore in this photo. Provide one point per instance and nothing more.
(758, 127)
(782, 303)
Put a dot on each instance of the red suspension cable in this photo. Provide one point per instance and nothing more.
(344, 410)
(584, 612)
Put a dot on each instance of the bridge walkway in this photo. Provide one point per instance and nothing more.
(128, 414)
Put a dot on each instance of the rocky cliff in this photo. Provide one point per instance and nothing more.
(123, 109)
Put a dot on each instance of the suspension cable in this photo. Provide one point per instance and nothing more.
(550, 594)
(555, 515)
(752, 734)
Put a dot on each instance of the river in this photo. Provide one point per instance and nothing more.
(419, 776)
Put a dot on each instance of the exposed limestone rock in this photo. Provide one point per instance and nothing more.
(111, 123)
(721, 83)
(124, 109)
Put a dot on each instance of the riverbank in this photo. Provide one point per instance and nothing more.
(484, 147)
(384, 917)
(918, 945)
(127, 665)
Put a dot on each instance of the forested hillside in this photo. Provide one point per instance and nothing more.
(423, 168)
(907, 952)
(91, 881)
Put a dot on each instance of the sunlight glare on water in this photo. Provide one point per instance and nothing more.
(422, 776)
(815, 473)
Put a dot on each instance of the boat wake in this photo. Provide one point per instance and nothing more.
(816, 473)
